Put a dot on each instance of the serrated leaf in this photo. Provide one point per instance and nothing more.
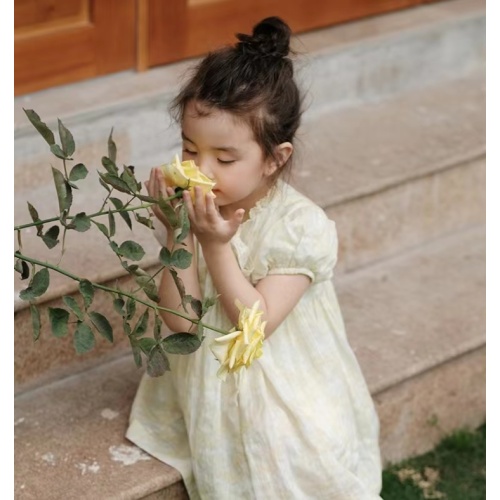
(102, 325)
(50, 237)
(181, 258)
(157, 362)
(131, 308)
(141, 325)
(87, 291)
(112, 223)
(146, 344)
(102, 228)
(82, 222)
(131, 250)
(58, 318)
(146, 221)
(73, 305)
(57, 151)
(180, 235)
(35, 321)
(128, 177)
(115, 181)
(35, 218)
(83, 338)
(67, 141)
(42, 128)
(111, 147)
(109, 165)
(63, 189)
(38, 285)
(118, 305)
(124, 215)
(181, 343)
(78, 172)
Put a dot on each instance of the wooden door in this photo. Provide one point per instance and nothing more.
(61, 41)
(179, 29)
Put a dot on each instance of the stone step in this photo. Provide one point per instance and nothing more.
(416, 322)
(402, 171)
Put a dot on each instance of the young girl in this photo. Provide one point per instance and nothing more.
(299, 423)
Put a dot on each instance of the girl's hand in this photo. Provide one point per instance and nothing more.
(157, 188)
(206, 222)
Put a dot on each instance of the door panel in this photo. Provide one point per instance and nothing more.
(180, 29)
(61, 41)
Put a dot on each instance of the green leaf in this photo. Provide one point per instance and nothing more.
(208, 302)
(184, 225)
(180, 286)
(67, 141)
(50, 237)
(35, 321)
(128, 177)
(169, 212)
(58, 318)
(73, 305)
(104, 185)
(197, 307)
(157, 328)
(146, 221)
(78, 172)
(157, 362)
(131, 307)
(112, 224)
(115, 181)
(141, 325)
(38, 285)
(82, 222)
(146, 344)
(43, 130)
(181, 343)
(124, 215)
(83, 338)
(136, 351)
(102, 325)
(148, 286)
(22, 268)
(181, 259)
(57, 151)
(109, 165)
(131, 250)
(165, 257)
(146, 198)
(118, 305)
(102, 228)
(63, 189)
(87, 291)
(111, 147)
(35, 218)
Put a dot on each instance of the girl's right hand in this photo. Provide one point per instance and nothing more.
(157, 188)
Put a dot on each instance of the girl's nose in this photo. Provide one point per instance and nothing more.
(206, 168)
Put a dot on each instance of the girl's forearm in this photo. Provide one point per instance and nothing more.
(229, 280)
(169, 293)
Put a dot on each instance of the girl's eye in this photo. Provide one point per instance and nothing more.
(225, 162)
(187, 151)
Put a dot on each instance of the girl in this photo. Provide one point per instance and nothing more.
(299, 423)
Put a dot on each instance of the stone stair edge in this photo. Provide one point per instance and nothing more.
(131, 372)
(322, 41)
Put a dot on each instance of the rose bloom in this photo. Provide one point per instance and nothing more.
(242, 344)
(186, 175)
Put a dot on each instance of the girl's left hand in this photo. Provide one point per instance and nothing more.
(206, 222)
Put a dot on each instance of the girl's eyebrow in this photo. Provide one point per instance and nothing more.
(228, 149)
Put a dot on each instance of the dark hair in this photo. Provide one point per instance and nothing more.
(254, 80)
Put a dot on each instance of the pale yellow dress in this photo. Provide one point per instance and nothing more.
(300, 422)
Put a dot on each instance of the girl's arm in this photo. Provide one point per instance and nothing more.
(168, 292)
(277, 294)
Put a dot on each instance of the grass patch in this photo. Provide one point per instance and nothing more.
(454, 470)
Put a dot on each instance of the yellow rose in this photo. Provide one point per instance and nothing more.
(186, 175)
(242, 344)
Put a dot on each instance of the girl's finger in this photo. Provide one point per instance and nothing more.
(212, 212)
(189, 205)
(199, 202)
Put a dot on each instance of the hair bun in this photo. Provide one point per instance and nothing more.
(270, 38)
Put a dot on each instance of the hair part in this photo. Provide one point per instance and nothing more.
(254, 81)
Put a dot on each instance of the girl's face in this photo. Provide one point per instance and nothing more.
(225, 150)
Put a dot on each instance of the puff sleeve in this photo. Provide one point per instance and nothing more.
(303, 242)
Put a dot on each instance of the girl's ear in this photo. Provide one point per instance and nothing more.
(281, 154)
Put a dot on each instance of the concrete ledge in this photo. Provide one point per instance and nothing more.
(413, 321)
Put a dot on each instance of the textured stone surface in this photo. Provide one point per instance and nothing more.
(415, 322)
